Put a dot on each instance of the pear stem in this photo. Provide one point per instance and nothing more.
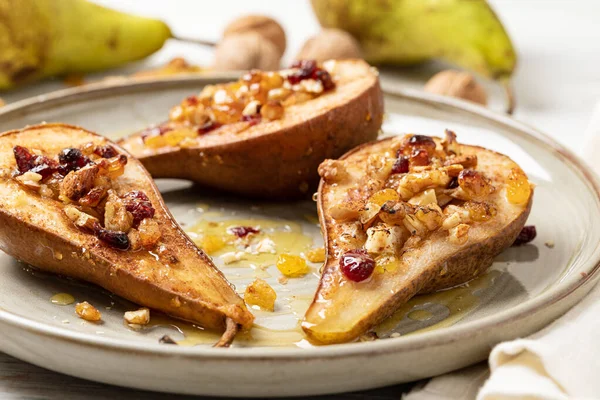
(510, 97)
(231, 329)
(201, 42)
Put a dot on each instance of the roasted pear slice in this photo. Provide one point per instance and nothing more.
(93, 213)
(408, 215)
(265, 135)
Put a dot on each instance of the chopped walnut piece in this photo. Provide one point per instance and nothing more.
(430, 215)
(139, 317)
(82, 220)
(459, 234)
(384, 238)
(466, 160)
(30, 180)
(333, 171)
(345, 211)
(88, 312)
(367, 215)
(392, 212)
(135, 241)
(77, 183)
(149, 232)
(449, 144)
(116, 216)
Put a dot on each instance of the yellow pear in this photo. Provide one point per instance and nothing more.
(43, 38)
(466, 33)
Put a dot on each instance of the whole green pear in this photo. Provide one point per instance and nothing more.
(463, 32)
(43, 38)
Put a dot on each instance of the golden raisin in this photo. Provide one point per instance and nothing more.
(212, 243)
(518, 189)
(88, 312)
(260, 293)
(384, 195)
(292, 266)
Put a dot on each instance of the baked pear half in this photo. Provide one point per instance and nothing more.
(409, 215)
(266, 134)
(75, 204)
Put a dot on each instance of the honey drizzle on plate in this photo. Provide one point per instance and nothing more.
(289, 237)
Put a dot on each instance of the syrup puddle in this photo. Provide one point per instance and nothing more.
(62, 299)
(281, 328)
(437, 310)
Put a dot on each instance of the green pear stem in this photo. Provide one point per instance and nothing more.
(201, 42)
(231, 329)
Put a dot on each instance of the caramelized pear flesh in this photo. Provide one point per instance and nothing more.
(169, 273)
(409, 215)
(267, 143)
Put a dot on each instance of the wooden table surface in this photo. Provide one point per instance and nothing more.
(556, 88)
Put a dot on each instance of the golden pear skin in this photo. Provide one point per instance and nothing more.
(43, 38)
(463, 32)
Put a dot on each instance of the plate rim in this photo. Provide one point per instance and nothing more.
(396, 345)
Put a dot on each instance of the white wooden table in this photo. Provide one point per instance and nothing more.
(557, 85)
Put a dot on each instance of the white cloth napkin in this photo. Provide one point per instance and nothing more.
(562, 361)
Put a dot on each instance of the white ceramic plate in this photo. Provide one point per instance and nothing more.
(527, 287)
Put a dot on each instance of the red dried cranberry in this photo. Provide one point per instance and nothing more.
(357, 265)
(419, 157)
(139, 205)
(207, 127)
(115, 239)
(400, 166)
(71, 160)
(26, 161)
(325, 78)
(23, 158)
(253, 119)
(106, 151)
(527, 234)
(421, 140)
(192, 100)
(242, 231)
(453, 183)
(44, 166)
(306, 69)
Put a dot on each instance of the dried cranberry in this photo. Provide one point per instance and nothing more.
(207, 127)
(527, 234)
(117, 240)
(242, 231)
(253, 119)
(357, 265)
(325, 78)
(419, 157)
(28, 162)
(71, 160)
(306, 69)
(44, 166)
(192, 101)
(421, 140)
(139, 205)
(106, 151)
(453, 183)
(23, 157)
(400, 166)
